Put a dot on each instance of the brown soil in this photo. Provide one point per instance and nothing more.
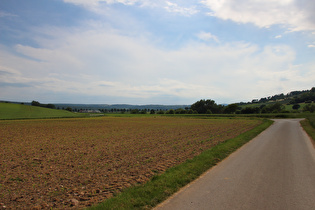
(75, 163)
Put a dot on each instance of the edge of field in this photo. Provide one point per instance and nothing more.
(309, 125)
(160, 187)
(9, 111)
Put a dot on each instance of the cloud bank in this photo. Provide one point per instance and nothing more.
(117, 57)
(296, 15)
(111, 64)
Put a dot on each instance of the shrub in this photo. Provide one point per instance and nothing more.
(160, 112)
(171, 111)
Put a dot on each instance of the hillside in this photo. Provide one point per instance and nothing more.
(294, 97)
(20, 111)
(295, 101)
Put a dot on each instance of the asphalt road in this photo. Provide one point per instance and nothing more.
(276, 170)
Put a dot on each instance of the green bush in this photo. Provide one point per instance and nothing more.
(171, 111)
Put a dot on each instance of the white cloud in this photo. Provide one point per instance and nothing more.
(175, 8)
(311, 45)
(99, 6)
(172, 7)
(6, 14)
(278, 36)
(206, 36)
(295, 15)
(101, 62)
(93, 3)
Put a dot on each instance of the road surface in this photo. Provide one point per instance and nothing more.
(276, 170)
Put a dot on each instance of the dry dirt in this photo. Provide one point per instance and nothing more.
(75, 163)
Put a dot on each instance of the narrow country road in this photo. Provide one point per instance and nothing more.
(276, 170)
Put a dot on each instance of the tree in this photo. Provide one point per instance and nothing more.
(69, 109)
(160, 112)
(180, 111)
(171, 111)
(51, 106)
(35, 103)
(230, 109)
(250, 110)
(152, 111)
(309, 108)
(134, 111)
(277, 107)
(208, 111)
(296, 106)
(273, 108)
(203, 106)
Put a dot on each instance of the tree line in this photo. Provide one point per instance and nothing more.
(36, 103)
(210, 107)
(294, 97)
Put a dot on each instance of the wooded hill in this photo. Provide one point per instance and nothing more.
(295, 101)
(294, 97)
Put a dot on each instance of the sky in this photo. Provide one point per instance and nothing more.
(155, 51)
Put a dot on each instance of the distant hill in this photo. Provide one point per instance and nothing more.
(21, 111)
(120, 106)
(294, 97)
(108, 106)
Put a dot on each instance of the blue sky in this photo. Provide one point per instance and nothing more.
(154, 52)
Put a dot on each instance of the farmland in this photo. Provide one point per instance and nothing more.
(20, 111)
(62, 163)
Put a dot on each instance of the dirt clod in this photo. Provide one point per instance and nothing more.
(74, 202)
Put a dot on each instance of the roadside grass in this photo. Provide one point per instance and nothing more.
(160, 187)
(215, 116)
(309, 125)
(264, 116)
(9, 111)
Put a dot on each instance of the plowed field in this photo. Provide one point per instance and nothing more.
(67, 163)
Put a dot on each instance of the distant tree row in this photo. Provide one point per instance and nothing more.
(36, 103)
(170, 111)
(210, 107)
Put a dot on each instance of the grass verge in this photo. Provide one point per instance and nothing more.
(160, 187)
(309, 125)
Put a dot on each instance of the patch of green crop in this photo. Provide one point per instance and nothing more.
(309, 125)
(20, 111)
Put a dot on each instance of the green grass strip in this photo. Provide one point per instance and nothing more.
(160, 187)
(9, 111)
(309, 125)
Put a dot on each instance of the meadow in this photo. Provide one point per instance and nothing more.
(10, 111)
(64, 163)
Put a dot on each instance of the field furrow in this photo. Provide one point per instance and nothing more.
(55, 163)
